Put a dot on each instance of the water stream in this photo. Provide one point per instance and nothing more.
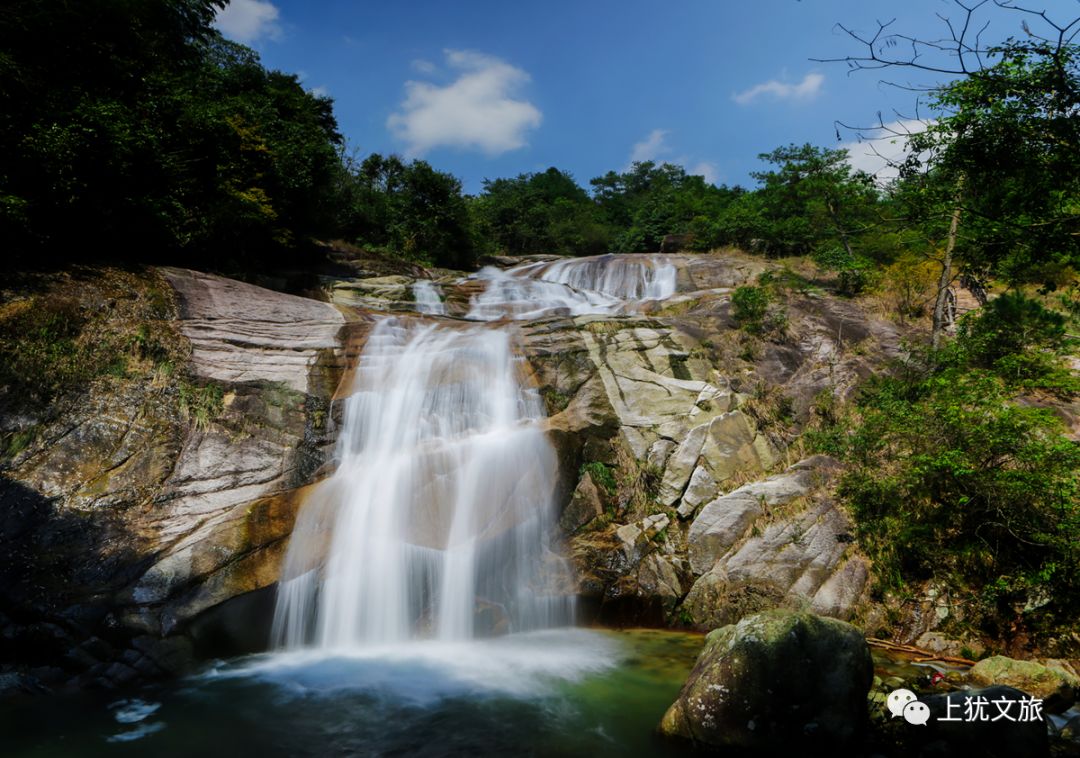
(428, 298)
(439, 520)
(606, 284)
(565, 692)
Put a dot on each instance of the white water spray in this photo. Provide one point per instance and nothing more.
(428, 299)
(605, 284)
(438, 518)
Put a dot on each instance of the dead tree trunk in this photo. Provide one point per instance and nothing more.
(941, 302)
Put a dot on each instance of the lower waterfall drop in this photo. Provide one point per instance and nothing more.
(439, 520)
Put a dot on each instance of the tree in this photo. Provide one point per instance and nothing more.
(138, 127)
(545, 212)
(1005, 140)
(649, 202)
(411, 209)
(812, 203)
(950, 479)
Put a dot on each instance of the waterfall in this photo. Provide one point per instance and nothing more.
(439, 518)
(605, 284)
(428, 298)
(623, 277)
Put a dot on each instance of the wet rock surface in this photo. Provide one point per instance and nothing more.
(1054, 682)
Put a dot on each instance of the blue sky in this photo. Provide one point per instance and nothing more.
(489, 89)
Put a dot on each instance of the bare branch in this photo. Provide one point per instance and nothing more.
(960, 52)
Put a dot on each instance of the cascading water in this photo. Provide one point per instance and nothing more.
(427, 297)
(437, 524)
(438, 518)
(605, 284)
(623, 277)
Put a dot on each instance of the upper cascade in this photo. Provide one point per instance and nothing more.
(605, 284)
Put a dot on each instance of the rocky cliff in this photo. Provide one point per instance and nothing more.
(149, 503)
(144, 523)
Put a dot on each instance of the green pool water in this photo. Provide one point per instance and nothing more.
(572, 692)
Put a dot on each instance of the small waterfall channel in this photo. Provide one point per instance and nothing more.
(605, 284)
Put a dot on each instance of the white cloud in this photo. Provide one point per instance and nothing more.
(249, 20)
(882, 148)
(807, 89)
(651, 148)
(655, 148)
(475, 111)
(705, 169)
(320, 91)
(424, 67)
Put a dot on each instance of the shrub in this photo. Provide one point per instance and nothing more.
(201, 404)
(909, 285)
(601, 474)
(854, 272)
(951, 479)
(753, 309)
(748, 307)
(1010, 325)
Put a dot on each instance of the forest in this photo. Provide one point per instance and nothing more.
(141, 135)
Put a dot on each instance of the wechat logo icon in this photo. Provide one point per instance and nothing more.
(904, 703)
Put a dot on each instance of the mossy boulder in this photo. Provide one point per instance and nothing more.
(1052, 683)
(776, 678)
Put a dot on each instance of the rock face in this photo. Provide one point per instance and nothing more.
(687, 412)
(759, 546)
(228, 497)
(1053, 682)
(159, 503)
(773, 680)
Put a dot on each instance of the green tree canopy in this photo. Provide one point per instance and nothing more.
(412, 210)
(138, 127)
(1010, 133)
(546, 212)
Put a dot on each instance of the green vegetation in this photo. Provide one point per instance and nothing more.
(546, 212)
(59, 338)
(951, 477)
(409, 210)
(201, 403)
(139, 127)
(62, 334)
(754, 310)
(601, 474)
(554, 401)
(749, 306)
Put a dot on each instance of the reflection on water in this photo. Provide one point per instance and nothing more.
(570, 692)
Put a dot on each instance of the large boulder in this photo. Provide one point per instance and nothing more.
(774, 680)
(1053, 683)
(778, 541)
